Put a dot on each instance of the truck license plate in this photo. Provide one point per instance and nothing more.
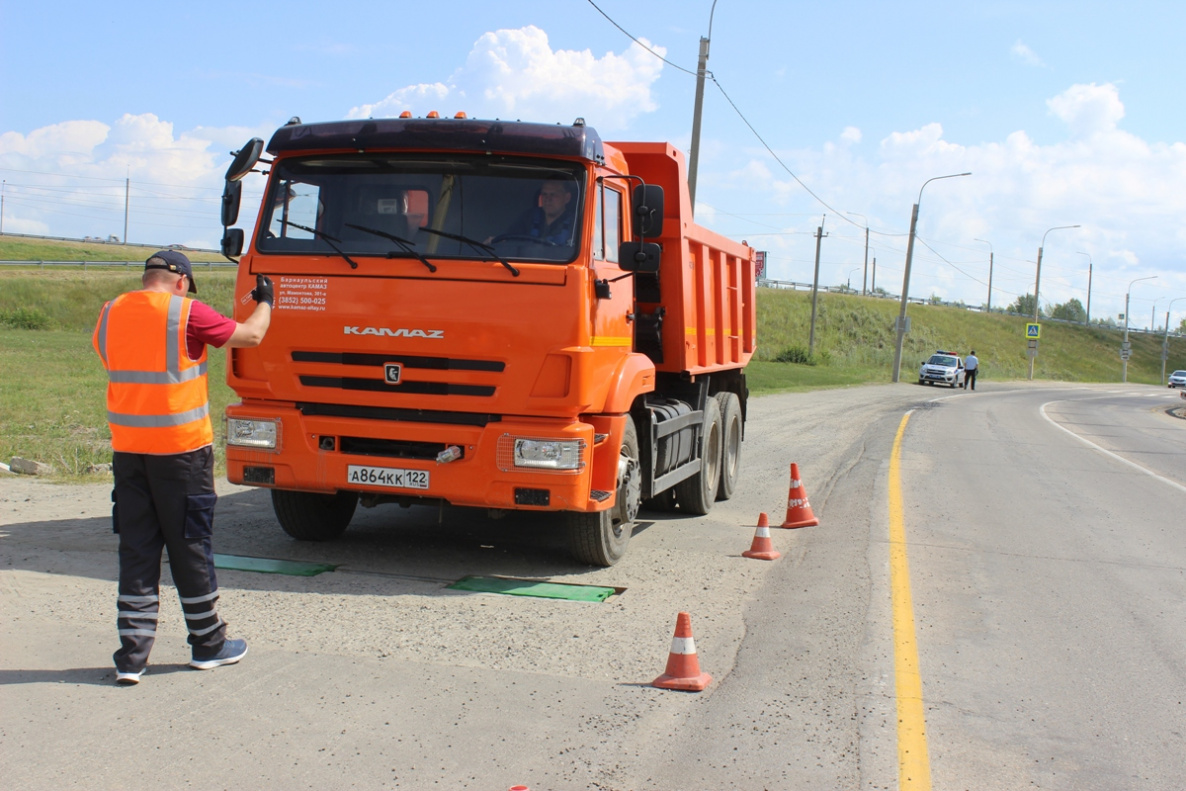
(390, 477)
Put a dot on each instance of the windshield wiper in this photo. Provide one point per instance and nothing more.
(329, 239)
(479, 246)
(404, 244)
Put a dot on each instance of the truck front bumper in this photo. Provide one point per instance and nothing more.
(319, 453)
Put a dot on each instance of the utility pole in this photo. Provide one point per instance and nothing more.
(701, 71)
(819, 235)
(865, 280)
(127, 192)
(988, 308)
(2, 185)
(873, 283)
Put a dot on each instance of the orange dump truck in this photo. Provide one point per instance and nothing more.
(510, 316)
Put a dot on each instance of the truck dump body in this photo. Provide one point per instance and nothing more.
(452, 323)
(712, 278)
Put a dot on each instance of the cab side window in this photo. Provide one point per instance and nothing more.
(607, 230)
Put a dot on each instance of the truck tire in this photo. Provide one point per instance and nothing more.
(730, 443)
(600, 538)
(697, 494)
(313, 517)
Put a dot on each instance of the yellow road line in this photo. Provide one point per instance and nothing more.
(914, 767)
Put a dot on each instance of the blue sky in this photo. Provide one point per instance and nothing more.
(1065, 112)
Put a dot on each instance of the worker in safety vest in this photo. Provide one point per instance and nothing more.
(153, 344)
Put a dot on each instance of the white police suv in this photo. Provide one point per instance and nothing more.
(944, 368)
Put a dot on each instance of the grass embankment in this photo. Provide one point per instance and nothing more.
(52, 385)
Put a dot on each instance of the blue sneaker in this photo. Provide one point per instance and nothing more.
(127, 679)
(232, 651)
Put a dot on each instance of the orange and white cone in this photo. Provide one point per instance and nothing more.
(683, 668)
(798, 509)
(763, 547)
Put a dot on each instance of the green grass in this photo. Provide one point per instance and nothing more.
(52, 385)
(21, 248)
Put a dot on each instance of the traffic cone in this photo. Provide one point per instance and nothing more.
(763, 547)
(683, 668)
(798, 509)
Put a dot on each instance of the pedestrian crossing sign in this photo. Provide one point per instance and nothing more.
(1033, 330)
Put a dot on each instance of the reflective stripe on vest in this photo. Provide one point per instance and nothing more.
(156, 396)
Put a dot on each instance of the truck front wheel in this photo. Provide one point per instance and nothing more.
(600, 538)
(314, 517)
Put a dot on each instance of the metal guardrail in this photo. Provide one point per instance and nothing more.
(111, 264)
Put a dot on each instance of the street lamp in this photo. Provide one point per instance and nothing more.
(989, 309)
(1126, 349)
(901, 328)
(866, 219)
(1090, 265)
(1153, 316)
(1037, 280)
(848, 286)
(701, 70)
(1165, 343)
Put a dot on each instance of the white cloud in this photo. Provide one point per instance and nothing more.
(517, 74)
(73, 179)
(1088, 109)
(1021, 52)
(851, 135)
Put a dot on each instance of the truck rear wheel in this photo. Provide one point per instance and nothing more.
(730, 443)
(600, 538)
(697, 494)
(314, 517)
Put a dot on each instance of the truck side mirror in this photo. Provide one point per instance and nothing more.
(245, 159)
(648, 210)
(639, 256)
(232, 242)
(232, 194)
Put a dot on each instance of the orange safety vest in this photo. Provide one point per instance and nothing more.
(157, 400)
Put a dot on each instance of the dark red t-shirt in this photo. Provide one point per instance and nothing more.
(206, 327)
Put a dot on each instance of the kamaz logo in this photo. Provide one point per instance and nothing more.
(387, 331)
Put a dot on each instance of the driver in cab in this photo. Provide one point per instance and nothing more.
(551, 222)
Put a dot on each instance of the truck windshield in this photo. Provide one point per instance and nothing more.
(495, 208)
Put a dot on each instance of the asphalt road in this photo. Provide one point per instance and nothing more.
(1049, 596)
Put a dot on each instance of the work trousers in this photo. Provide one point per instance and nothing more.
(970, 379)
(165, 501)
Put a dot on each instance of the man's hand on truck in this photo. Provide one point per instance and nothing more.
(263, 291)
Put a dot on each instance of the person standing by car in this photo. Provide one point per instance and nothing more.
(152, 342)
(971, 367)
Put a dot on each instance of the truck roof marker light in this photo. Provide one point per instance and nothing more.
(579, 121)
(406, 114)
(460, 114)
(433, 114)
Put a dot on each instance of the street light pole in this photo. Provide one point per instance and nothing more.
(865, 281)
(901, 328)
(1038, 280)
(989, 308)
(701, 70)
(1165, 343)
(1126, 347)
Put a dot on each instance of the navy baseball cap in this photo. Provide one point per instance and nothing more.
(175, 262)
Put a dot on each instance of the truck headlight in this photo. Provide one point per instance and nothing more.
(246, 433)
(549, 454)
